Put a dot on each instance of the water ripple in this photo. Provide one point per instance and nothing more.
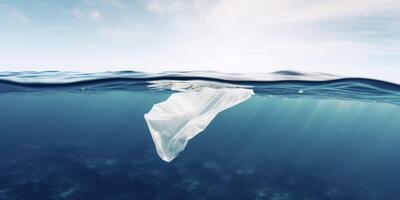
(281, 83)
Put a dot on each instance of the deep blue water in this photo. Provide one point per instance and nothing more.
(83, 136)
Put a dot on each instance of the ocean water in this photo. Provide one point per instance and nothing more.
(301, 137)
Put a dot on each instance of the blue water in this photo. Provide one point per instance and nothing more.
(303, 137)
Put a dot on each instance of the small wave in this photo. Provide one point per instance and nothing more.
(57, 77)
(280, 83)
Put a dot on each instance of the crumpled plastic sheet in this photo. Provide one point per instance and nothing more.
(172, 123)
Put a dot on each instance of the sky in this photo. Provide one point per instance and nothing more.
(346, 37)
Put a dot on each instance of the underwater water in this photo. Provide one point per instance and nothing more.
(300, 137)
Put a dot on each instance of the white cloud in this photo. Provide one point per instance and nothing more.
(76, 13)
(80, 14)
(94, 15)
(164, 6)
(267, 35)
(265, 12)
(115, 3)
(115, 33)
(16, 15)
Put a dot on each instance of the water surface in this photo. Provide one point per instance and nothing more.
(302, 136)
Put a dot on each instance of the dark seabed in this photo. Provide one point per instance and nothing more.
(333, 139)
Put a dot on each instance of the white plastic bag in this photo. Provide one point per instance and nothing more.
(182, 116)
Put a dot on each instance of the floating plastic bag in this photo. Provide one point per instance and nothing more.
(172, 123)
